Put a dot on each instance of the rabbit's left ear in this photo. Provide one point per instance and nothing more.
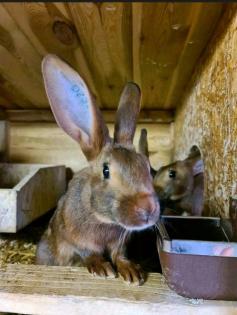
(127, 113)
(196, 165)
(73, 106)
(143, 143)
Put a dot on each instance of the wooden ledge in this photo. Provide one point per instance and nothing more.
(146, 116)
(45, 290)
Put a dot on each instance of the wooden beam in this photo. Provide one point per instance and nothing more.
(67, 290)
(146, 116)
(3, 140)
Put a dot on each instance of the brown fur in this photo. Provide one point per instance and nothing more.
(94, 218)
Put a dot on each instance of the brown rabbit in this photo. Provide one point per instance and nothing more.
(179, 185)
(110, 198)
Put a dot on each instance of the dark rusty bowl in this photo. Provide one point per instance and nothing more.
(198, 258)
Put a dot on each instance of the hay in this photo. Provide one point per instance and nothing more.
(20, 248)
(16, 252)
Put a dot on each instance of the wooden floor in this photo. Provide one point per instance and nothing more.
(33, 289)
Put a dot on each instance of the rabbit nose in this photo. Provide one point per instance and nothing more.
(148, 206)
(150, 216)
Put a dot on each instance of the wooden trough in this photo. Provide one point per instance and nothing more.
(27, 191)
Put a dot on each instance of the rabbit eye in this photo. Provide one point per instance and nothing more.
(106, 171)
(172, 173)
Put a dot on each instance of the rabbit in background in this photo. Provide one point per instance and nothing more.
(111, 197)
(179, 185)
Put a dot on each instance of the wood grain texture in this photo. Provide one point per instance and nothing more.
(49, 29)
(116, 19)
(204, 20)
(46, 143)
(20, 61)
(104, 31)
(208, 115)
(162, 44)
(60, 290)
(155, 44)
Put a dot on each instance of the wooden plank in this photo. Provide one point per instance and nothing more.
(160, 45)
(50, 30)
(204, 19)
(71, 290)
(155, 44)
(3, 139)
(94, 25)
(41, 19)
(19, 45)
(20, 16)
(33, 142)
(22, 13)
(20, 61)
(116, 19)
(67, 41)
(161, 36)
(136, 40)
(151, 116)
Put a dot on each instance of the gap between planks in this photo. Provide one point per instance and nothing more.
(72, 290)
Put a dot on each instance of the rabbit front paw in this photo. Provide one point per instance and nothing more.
(99, 267)
(132, 273)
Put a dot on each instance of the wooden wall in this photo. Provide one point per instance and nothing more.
(44, 142)
(208, 116)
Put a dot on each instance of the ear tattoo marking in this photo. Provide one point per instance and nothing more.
(78, 92)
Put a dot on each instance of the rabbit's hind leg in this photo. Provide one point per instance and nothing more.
(44, 255)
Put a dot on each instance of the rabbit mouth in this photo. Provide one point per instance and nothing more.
(142, 220)
(137, 227)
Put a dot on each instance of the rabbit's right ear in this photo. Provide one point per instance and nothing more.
(73, 106)
(127, 114)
